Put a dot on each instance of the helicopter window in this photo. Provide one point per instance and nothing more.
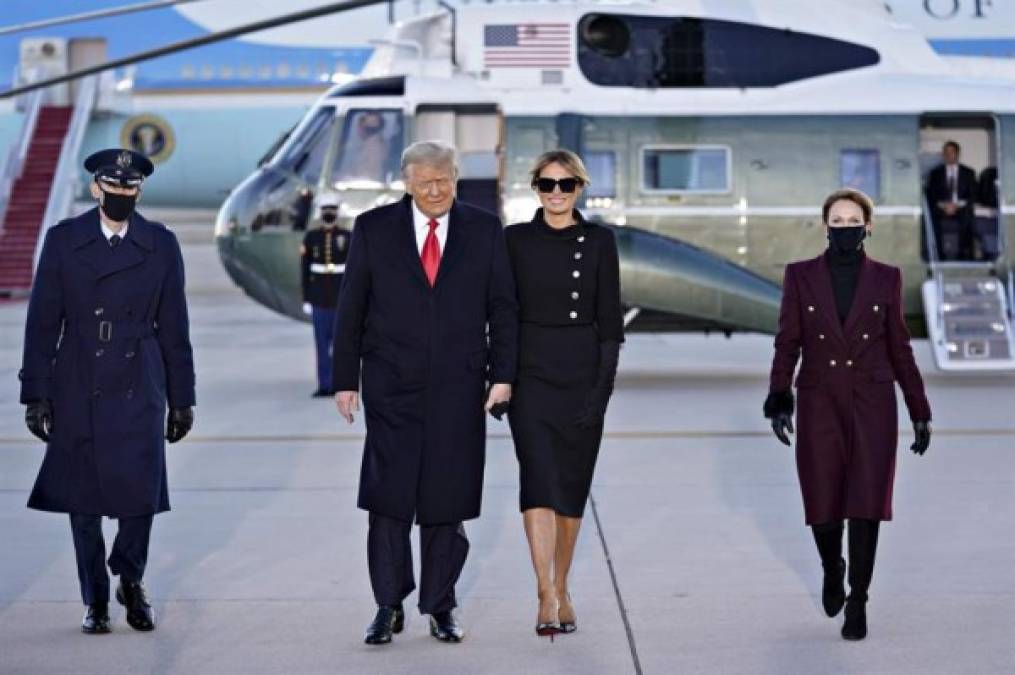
(602, 168)
(652, 52)
(295, 153)
(370, 148)
(686, 169)
(861, 169)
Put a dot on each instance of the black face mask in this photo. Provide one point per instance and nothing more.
(328, 217)
(844, 240)
(118, 207)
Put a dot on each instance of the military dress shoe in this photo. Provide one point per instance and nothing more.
(96, 619)
(833, 592)
(132, 595)
(390, 619)
(444, 627)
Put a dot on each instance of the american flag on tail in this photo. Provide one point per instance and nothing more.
(527, 45)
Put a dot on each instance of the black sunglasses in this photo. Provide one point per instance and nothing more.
(546, 185)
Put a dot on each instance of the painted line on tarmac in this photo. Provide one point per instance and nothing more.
(635, 435)
(616, 587)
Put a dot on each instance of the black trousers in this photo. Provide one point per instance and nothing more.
(128, 559)
(389, 555)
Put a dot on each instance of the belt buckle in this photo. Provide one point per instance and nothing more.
(105, 331)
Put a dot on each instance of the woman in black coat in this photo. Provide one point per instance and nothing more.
(568, 280)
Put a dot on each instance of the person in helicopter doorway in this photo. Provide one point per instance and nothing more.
(106, 348)
(842, 316)
(322, 256)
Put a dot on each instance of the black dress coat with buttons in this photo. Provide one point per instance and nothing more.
(847, 426)
(425, 355)
(107, 343)
(569, 302)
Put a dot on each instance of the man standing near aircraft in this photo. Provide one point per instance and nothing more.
(106, 345)
(322, 262)
(428, 308)
(951, 194)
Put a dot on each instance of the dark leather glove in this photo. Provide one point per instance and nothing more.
(39, 418)
(779, 408)
(497, 410)
(922, 442)
(179, 423)
(594, 410)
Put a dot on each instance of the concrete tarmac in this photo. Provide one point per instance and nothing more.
(693, 556)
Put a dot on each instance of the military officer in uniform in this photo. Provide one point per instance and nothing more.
(106, 348)
(323, 261)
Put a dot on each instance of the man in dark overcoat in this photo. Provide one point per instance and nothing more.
(106, 346)
(428, 308)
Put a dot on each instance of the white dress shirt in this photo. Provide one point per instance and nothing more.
(109, 233)
(421, 225)
(952, 174)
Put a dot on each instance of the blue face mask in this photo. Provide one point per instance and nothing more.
(846, 239)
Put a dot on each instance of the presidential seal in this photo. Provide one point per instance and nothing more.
(150, 135)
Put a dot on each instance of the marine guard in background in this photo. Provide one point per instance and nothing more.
(106, 346)
(322, 258)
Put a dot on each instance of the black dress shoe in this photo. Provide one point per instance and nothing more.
(855, 626)
(444, 627)
(132, 595)
(833, 592)
(96, 619)
(390, 619)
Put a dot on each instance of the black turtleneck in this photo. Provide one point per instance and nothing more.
(845, 270)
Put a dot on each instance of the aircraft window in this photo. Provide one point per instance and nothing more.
(294, 154)
(652, 52)
(686, 169)
(370, 148)
(602, 168)
(861, 169)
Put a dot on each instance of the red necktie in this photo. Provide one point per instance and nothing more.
(431, 255)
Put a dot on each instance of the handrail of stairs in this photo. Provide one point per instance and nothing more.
(933, 262)
(15, 162)
(65, 178)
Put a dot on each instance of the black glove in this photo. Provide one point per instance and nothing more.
(179, 423)
(922, 442)
(39, 418)
(497, 410)
(598, 398)
(779, 408)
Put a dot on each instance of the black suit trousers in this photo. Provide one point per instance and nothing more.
(389, 556)
(128, 558)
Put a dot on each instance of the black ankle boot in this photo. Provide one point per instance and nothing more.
(833, 590)
(863, 543)
(855, 625)
(828, 537)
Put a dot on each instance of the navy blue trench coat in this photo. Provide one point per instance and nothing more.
(426, 356)
(107, 343)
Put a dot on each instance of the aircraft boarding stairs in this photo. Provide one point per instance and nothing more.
(38, 182)
(969, 312)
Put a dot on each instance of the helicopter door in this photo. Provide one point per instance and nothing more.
(475, 131)
(965, 224)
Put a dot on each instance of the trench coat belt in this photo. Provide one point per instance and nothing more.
(327, 268)
(107, 331)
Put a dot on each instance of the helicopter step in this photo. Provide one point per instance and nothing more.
(968, 319)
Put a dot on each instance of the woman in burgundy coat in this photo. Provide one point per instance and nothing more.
(842, 313)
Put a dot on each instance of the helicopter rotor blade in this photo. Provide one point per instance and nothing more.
(89, 16)
(182, 45)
